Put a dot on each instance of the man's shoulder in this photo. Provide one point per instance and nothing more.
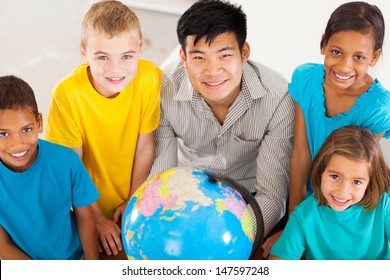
(174, 72)
(272, 81)
(263, 70)
(174, 76)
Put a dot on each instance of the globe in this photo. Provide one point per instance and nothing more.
(184, 214)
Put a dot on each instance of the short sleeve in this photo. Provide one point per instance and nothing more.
(61, 126)
(306, 80)
(291, 245)
(84, 191)
(376, 110)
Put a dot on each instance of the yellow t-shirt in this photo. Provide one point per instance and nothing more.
(106, 128)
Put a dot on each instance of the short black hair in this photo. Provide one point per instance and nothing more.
(15, 93)
(210, 18)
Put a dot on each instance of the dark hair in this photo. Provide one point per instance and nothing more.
(357, 16)
(16, 94)
(355, 143)
(210, 18)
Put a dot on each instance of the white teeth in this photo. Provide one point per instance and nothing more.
(19, 154)
(340, 200)
(215, 84)
(115, 79)
(343, 77)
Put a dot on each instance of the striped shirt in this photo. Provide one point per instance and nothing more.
(252, 147)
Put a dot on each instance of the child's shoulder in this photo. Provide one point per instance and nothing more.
(309, 68)
(308, 73)
(77, 79)
(56, 151)
(146, 67)
(307, 206)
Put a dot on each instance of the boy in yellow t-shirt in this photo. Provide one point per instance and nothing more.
(107, 110)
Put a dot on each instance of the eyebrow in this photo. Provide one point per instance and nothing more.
(104, 53)
(220, 50)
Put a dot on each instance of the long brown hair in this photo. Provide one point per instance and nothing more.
(355, 143)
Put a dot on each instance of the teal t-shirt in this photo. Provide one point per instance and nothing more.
(35, 205)
(321, 233)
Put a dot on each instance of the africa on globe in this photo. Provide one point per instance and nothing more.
(181, 214)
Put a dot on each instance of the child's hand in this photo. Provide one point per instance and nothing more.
(119, 212)
(267, 245)
(109, 234)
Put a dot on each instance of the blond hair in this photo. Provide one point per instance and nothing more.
(355, 143)
(110, 18)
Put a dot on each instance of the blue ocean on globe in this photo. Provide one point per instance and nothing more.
(180, 214)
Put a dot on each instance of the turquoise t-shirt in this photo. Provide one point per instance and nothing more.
(321, 233)
(35, 205)
(372, 108)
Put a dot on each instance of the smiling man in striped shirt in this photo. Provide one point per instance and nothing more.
(224, 112)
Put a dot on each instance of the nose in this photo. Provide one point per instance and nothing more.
(346, 64)
(344, 187)
(113, 65)
(213, 67)
(17, 139)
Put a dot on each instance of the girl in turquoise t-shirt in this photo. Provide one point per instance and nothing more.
(337, 93)
(348, 216)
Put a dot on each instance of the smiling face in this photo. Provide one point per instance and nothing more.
(113, 62)
(215, 69)
(344, 182)
(19, 129)
(348, 54)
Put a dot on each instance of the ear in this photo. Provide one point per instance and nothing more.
(246, 50)
(83, 52)
(183, 57)
(375, 57)
(40, 123)
(141, 46)
(323, 45)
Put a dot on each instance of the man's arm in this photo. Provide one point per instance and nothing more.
(273, 160)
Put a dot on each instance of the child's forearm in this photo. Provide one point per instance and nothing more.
(8, 250)
(86, 225)
(143, 160)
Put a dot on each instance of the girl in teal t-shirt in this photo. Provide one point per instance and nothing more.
(348, 215)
